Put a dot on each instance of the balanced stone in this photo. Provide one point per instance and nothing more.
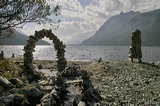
(28, 61)
(29, 66)
(32, 41)
(26, 55)
(49, 33)
(62, 61)
(60, 55)
(59, 46)
(29, 50)
(33, 37)
(61, 58)
(37, 35)
(42, 33)
(45, 32)
(56, 42)
(29, 46)
(52, 37)
(31, 57)
(60, 65)
(62, 47)
(61, 51)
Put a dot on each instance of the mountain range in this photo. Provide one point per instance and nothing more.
(116, 31)
(20, 39)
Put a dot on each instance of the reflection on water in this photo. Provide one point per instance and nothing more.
(85, 52)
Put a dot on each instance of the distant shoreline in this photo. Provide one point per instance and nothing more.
(81, 61)
(84, 53)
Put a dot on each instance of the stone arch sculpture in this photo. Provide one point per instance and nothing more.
(58, 45)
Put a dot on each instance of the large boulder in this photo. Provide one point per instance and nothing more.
(34, 77)
(17, 82)
(48, 100)
(34, 95)
(6, 100)
(5, 83)
(20, 100)
(31, 92)
(34, 92)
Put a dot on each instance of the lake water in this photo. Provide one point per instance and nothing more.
(150, 54)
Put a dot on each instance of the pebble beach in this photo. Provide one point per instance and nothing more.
(119, 83)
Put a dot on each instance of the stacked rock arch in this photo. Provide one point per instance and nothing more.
(31, 44)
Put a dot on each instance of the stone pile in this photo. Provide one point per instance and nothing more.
(55, 92)
(14, 92)
(135, 48)
(90, 95)
(73, 70)
(58, 45)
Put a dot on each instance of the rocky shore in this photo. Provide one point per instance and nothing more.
(127, 84)
(88, 83)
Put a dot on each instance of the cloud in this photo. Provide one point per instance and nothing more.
(81, 18)
(140, 5)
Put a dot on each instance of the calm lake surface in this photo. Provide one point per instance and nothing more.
(150, 54)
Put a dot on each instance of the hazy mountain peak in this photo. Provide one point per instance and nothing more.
(117, 29)
(20, 39)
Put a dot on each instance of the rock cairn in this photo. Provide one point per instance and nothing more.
(56, 92)
(15, 92)
(73, 70)
(1, 55)
(135, 48)
(90, 95)
(58, 45)
(87, 95)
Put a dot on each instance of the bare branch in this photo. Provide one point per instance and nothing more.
(14, 13)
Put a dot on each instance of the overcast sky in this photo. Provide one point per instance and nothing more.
(81, 18)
